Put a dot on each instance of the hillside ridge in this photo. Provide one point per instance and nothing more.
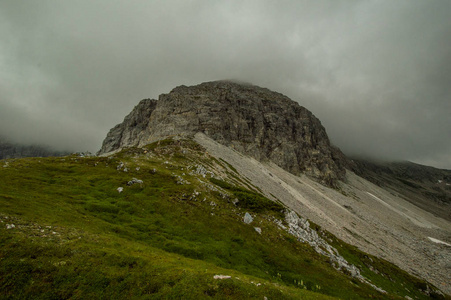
(173, 220)
(427, 187)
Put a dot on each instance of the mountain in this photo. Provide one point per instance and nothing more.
(255, 121)
(14, 150)
(426, 187)
(278, 132)
(221, 190)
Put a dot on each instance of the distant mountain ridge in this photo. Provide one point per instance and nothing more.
(15, 150)
(254, 121)
(424, 186)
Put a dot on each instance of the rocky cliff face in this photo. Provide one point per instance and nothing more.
(255, 121)
(132, 130)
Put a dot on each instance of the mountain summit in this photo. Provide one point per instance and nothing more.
(254, 121)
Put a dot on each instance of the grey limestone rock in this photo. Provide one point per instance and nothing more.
(248, 218)
(300, 228)
(131, 130)
(133, 181)
(253, 120)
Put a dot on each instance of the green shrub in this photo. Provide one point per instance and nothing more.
(248, 199)
(101, 208)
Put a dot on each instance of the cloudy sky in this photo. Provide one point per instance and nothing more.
(376, 73)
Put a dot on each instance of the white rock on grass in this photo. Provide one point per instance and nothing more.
(258, 229)
(120, 189)
(247, 218)
(201, 170)
(222, 277)
(10, 226)
(134, 180)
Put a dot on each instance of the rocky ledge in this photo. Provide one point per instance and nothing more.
(254, 121)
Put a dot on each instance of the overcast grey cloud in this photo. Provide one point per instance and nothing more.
(376, 73)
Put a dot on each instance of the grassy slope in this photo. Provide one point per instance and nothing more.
(76, 236)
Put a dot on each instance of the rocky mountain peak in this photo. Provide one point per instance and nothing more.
(255, 121)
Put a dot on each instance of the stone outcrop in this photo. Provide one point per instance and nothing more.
(300, 228)
(131, 130)
(254, 121)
